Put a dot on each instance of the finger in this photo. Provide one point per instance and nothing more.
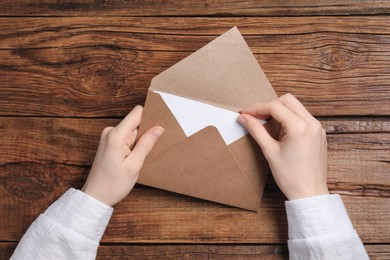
(131, 121)
(143, 147)
(133, 138)
(275, 109)
(259, 133)
(262, 117)
(296, 106)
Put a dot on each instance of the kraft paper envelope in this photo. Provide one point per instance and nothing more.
(222, 76)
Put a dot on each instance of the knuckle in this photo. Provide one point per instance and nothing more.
(323, 133)
(274, 105)
(300, 128)
(112, 137)
(289, 96)
(317, 127)
(105, 131)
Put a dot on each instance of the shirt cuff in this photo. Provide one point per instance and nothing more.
(316, 216)
(81, 213)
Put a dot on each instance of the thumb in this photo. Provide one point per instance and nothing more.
(258, 132)
(143, 147)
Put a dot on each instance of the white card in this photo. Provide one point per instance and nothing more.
(193, 116)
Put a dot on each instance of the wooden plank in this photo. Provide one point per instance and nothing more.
(378, 251)
(205, 222)
(114, 251)
(69, 141)
(111, 251)
(195, 252)
(53, 31)
(74, 141)
(43, 157)
(215, 252)
(334, 125)
(155, 216)
(192, 8)
(91, 67)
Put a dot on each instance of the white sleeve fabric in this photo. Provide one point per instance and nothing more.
(319, 228)
(70, 228)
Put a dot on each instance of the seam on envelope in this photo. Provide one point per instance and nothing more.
(230, 108)
(242, 171)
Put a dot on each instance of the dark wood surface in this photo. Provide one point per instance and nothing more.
(101, 67)
(193, 8)
(69, 69)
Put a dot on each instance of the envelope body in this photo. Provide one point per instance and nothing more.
(225, 74)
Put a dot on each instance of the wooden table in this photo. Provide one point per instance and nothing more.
(69, 69)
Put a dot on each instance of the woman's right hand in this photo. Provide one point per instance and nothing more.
(298, 160)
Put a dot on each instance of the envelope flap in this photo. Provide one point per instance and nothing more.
(223, 73)
(201, 166)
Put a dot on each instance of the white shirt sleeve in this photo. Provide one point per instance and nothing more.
(319, 228)
(70, 228)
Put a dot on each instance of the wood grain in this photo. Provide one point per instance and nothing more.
(200, 221)
(268, 252)
(69, 69)
(74, 141)
(91, 67)
(146, 252)
(196, 252)
(155, 216)
(349, 125)
(192, 8)
(43, 157)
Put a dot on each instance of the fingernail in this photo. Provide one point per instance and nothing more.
(158, 131)
(242, 119)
